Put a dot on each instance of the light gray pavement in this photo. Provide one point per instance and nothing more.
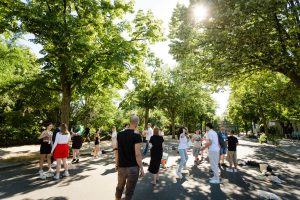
(96, 179)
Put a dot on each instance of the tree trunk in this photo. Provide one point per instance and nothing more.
(146, 117)
(265, 124)
(66, 96)
(173, 126)
(246, 127)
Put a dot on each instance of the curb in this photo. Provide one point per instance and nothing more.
(20, 164)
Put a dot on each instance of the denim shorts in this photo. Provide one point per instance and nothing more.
(223, 151)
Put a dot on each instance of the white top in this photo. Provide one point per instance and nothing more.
(114, 138)
(183, 141)
(61, 139)
(213, 137)
(149, 134)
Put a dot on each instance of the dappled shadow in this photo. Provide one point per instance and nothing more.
(12, 182)
(109, 171)
(283, 167)
(51, 198)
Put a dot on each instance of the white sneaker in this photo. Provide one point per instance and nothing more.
(53, 165)
(56, 177)
(235, 170)
(66, 173)
(51, 170)
(41, 171)
(215, 181)
(179, 174)
(229, 170)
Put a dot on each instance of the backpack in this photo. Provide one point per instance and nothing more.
(221, 141)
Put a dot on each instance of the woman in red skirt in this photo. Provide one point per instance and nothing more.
(60, 150)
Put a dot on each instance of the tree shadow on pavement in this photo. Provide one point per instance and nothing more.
(51, 198)
(13, 182)
(283, 167)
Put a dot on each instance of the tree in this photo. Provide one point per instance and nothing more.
(24, 101)
(84, 44)
(262, 97)
(237, 37)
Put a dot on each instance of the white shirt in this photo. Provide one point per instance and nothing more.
(213, 136)
(61, 139)
(114, 138)
(149, 134)
(183, 142)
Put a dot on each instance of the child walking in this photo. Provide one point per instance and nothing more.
(60, 150)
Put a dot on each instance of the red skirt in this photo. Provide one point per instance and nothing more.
(61, 151)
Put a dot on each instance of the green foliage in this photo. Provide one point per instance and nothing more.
(263, 138)
(84, 44)
(237, 38)
(261, 97)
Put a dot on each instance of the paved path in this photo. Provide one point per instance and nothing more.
(96, 179)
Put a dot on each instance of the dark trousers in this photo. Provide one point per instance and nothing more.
(128, 176)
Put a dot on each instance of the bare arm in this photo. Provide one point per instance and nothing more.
(55, 143)
(115, 149)
(138, 157)
(207, 144)
(42, 135)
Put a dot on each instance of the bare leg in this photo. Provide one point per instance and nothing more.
(65, 164)
(42, 158)
(49, 161)
(58, 166)
(74, 154)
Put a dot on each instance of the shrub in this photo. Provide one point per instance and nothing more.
(263, 138)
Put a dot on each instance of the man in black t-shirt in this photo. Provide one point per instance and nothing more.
(231, 155)
(128, 159)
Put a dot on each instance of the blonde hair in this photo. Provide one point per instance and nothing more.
(64, 128)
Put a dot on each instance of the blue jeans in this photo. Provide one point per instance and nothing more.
(146, 148)
(183, 159)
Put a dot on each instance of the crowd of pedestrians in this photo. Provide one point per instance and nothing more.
(129, 150)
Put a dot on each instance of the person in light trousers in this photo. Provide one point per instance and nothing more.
(213, 152)
(182, 149)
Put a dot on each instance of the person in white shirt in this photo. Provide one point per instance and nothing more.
(148, 136)
(182, 149)
(213, 152)
(60, 150)
(114, 136)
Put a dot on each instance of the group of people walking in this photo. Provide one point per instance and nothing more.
(127, 145)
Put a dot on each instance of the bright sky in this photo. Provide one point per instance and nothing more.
(161, 9)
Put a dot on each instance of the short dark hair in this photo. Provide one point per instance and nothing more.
(209, 125)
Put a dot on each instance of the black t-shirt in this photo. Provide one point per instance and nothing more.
(126, 147)
(156, 142)
(232, 142)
